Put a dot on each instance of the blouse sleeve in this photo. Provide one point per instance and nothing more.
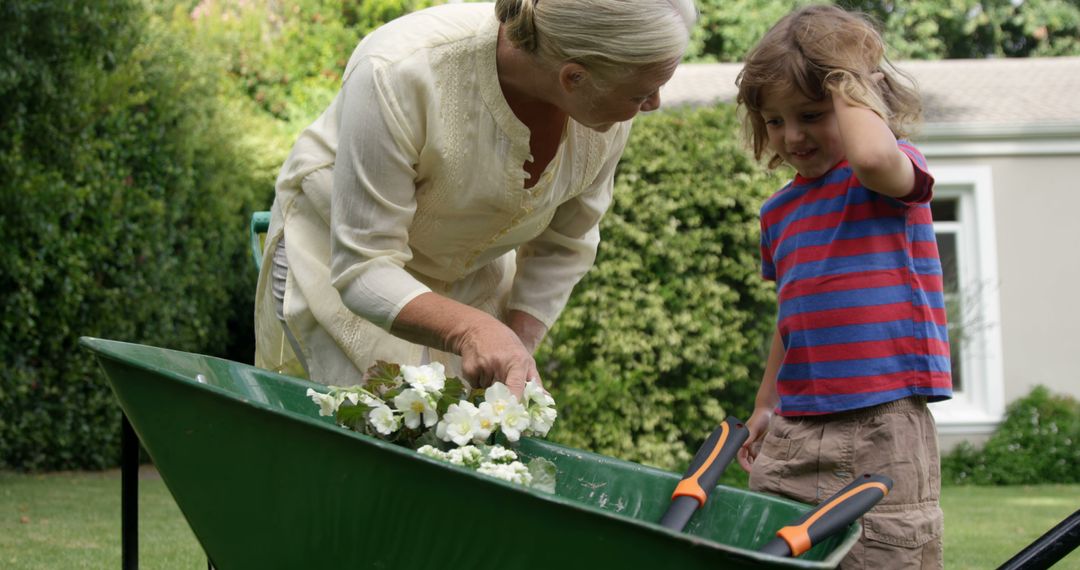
(549, 266)
(374, 197)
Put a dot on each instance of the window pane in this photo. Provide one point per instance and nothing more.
(946, 243)
(947, 248)
(944, 209)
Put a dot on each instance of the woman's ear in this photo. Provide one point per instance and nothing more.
(572, 76)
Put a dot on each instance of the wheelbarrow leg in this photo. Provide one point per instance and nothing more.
(1049, 548)
(129, 495)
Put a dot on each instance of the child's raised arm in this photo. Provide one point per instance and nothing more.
(869, 144)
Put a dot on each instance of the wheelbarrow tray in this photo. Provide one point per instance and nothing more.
(264, 482)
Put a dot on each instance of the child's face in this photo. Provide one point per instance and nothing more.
(802, 131)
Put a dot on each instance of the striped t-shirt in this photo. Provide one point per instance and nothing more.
(861, 306)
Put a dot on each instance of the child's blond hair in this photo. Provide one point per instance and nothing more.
(819, 50)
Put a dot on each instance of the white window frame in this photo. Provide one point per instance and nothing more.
(980, 407)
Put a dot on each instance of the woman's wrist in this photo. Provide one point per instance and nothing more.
(528, 328)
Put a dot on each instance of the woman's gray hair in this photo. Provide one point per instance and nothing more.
(608, 37)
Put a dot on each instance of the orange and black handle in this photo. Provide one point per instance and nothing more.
(705, 469)
(830, 517)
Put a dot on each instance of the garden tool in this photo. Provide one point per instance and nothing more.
(705, 469)
(831, 516)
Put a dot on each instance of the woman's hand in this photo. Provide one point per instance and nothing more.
(758, 425)
(492, 352)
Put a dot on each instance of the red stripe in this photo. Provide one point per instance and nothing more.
(855, 213)
(827, 192)
(862, 350)
(929, 283)
(864, 384)
(924, 249)
(848, 316)
(919, 216)
(937, 316)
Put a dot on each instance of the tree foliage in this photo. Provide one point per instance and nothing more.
(667, 333)
(928, 29)
(1036, 444)
(125, 190)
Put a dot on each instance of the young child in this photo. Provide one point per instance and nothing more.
(860, 345)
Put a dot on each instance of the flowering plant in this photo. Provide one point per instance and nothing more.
(421, 408)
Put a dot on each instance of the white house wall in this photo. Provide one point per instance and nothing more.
(1036, 199)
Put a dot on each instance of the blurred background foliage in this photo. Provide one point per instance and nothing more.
(137, 136)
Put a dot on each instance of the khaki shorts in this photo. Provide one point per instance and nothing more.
(808, 459)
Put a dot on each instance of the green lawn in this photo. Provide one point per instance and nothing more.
(985, 526)
(72, 520)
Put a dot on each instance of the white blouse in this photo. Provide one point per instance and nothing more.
(427, 187)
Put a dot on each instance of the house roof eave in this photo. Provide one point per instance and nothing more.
(989, 139)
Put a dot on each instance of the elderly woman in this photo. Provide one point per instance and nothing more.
(446, 203)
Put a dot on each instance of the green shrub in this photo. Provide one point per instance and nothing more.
(126, 192)
(1039, 442)
(667, 333)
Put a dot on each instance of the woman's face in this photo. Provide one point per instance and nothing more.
(621, 99)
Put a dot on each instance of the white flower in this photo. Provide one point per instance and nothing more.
(486, 421)
(468, 456)
(515, 472)
(432, 452)
(541, 407)
(384, 419)
(514, 420)
(499, 454)
(458, 424)
(328, 403)
(429, 378)
(534, 394)
(416, 406)
(541, 419)
(500, 398)
(362, 396)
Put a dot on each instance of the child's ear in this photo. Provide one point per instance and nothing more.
(572, 76)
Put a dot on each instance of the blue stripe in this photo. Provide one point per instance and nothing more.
(790, 192)
(870, 332)
(869, 297)
(926, 266)
(932, 330)
(932, 299)
(842, 402)
(864, 367)
(923, 232)
(842, 265)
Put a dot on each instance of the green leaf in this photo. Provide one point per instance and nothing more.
(353, 417)
(382, 376)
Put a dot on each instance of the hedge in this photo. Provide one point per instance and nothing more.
(1038, 443)
(136, 145)
(667, 333)
(125, 192)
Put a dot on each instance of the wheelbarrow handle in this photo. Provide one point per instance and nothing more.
(831, 516)
(705, 469)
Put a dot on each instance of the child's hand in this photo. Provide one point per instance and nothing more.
(758, 426)
(864, 90)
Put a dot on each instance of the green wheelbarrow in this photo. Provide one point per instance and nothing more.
(264, 482)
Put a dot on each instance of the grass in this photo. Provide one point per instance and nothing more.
(72, 520)
(985, 526)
